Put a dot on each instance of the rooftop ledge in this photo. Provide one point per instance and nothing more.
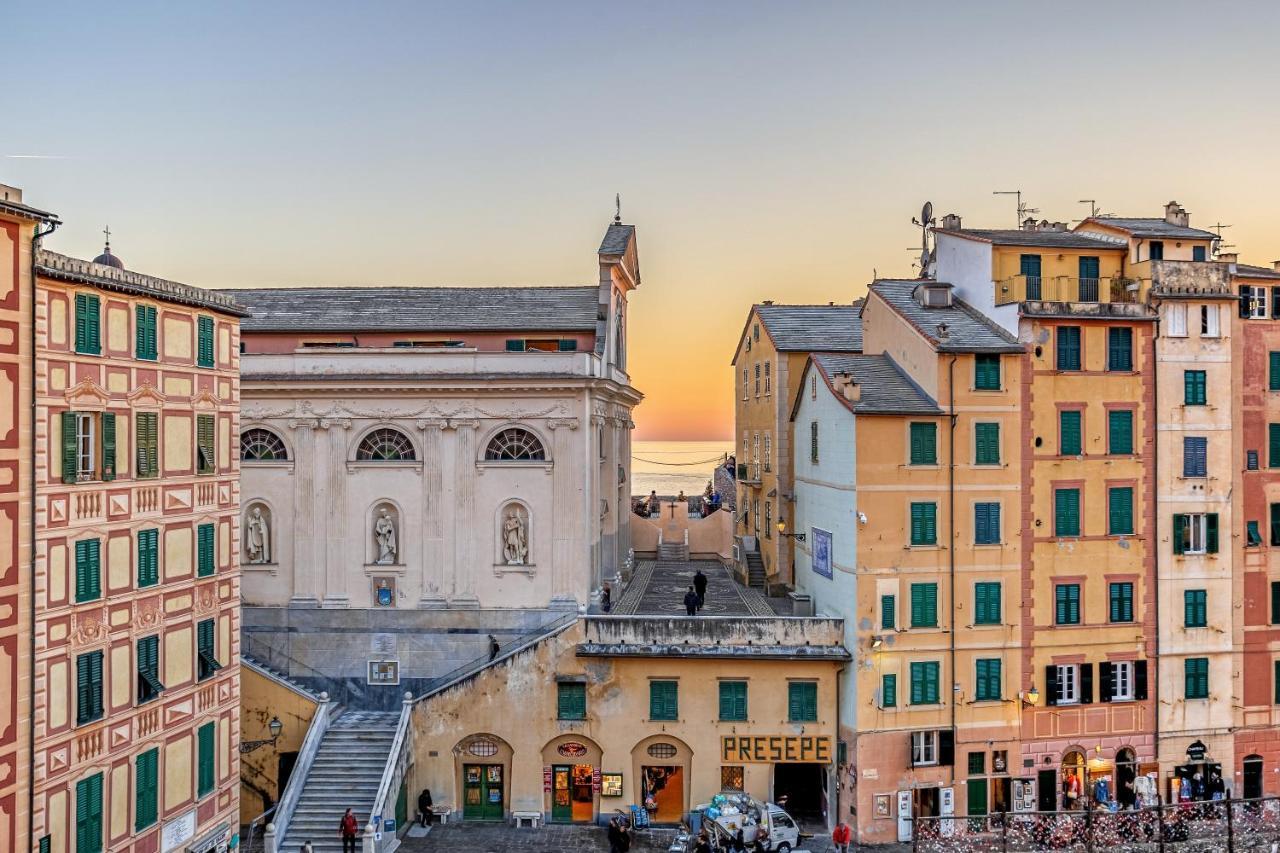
(812, 637)
(410, 363)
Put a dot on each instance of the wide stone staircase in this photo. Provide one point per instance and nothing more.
(673, 552)
(345, 774)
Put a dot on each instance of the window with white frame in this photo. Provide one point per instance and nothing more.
(1257, 302)
(1209, 321)
(1068, 684)
(746, 384)
(757, 379)
(924, 748)
(85, 446)
(1122, 681)
(768, 378)
(1177, 320)
(1195, 538)
(768, 452)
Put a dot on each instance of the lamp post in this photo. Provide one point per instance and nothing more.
(275, 727)
(782, 531)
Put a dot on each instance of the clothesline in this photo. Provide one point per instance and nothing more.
(678, 464)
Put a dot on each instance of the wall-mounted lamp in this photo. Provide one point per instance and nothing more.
(1031, 698)
(782, 531)
(275, 727)
(877, 642)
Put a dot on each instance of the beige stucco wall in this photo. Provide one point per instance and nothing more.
(261, 699)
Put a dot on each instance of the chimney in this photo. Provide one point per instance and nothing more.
(768, 302)
(849, 389)
(1227, 257)
(8, 193)
(1029, 224)
(951, 222)
(1174, 214)
(1059, 226)
(1275, 265)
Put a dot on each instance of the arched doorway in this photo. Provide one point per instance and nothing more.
(574, 764)
(1126, 793)
(1251, 785)
(661, 765)
(1074, 795)
(482, 773)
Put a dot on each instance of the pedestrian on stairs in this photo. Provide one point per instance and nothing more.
(493, 647)
(700, 586)
(306, 847)
(691, 603)
(347, 828)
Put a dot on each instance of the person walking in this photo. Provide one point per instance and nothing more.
(424, 806)
(842, 836)
(700, 586)
(691, 603)
(613, 834)
(493, 647)
(624, 838)
(347, 828)
(306, 847)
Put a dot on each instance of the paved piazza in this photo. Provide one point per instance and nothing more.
(658, 589)
(496, 838)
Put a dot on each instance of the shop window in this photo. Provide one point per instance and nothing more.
(732, 777)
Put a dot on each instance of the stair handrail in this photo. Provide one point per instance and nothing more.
(301, 769)
(259, 821)
(392, 777)
(516, 646)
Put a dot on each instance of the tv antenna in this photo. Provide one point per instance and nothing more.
(1093, 206)
(925, 222)
(617, 208)
(1023, 210)
(1218, 244)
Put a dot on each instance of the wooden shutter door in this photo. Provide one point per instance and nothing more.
(69, 447)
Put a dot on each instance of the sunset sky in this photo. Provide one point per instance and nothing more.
(763, 150)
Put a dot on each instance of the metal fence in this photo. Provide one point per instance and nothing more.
(1248, 826)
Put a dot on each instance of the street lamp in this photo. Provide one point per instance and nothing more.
(782, 531)
(275, 727)
(1031, 698)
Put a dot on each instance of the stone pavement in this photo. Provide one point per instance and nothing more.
(658, 588)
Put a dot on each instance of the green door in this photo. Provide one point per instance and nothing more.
(402, 807)
(482, 792)
(1088, 279)
(977, 802)
(561, 794)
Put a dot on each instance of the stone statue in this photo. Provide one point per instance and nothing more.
(384, 532)
(258, 538)
(515, 538)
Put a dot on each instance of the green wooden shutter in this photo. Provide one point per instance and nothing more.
(1069, 433)
(145, 333)
(69, 470)
(206, 460)
(148, 557)
(88, 334)
(1273, 375)
(986, 604)
(1121, 604)
(95, 684)
(89, 815)
(987, 680)
(1067, 604)
(1066, 520)
(924, 444)
(924, 605)
(1120, 349)
(888, 691)
(802, 701)
(1120, 432)
(205, 774)
(733, 700)
(88, 687)
(515, 345)
(924, 524)
(987, 444)
(1194, 387)
(1275, 524)
(205, 552)
(204, 346)
(663, 700)
(88, 570)
(145, 435)
(1068, 354)
(567, 345)
(888, 612)
(1120, 510)
(986, 372)
(144, 786)
(1273, 445)
(917, 684)
(1211, 533)
(108, 446)
(571, 698)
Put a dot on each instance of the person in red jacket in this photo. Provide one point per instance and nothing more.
(842, 835)
(347, 828)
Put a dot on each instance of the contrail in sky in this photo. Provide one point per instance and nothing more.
(35, 156)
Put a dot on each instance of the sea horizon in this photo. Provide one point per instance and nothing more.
(670, 467)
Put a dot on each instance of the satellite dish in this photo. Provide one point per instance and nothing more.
(926, 213)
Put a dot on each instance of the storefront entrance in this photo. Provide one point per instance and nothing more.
(1047, 791)
(482, 787)
(663, 791)
(572, 794)
(801, 791)
(1252, 782)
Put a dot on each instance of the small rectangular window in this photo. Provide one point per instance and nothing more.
(571, 700)
(149, 684)
(148, 557)
(733, 701)
(987, 680)
(145, 332)
(1069, 438)
(1197, 678)
(1177, 318)
(1273, 445)
(732, 777)
(1198, 253)
(1121, 609)
(88, 570)
(1066, 604)
(1209, 321)
(1195, 533)
(924, 683)
(1120, 349)
(1275, 602)
(924, 605)
(1195, 603)
(1120, 511)
(1275, 524)
(888, 612)
(206, 650)
(206, 460)
(986, 372)
(924, 444)
(88, 688)
(88, 328)
(924, 748)
(205, 770)
(924, 523)
(1273, 371)
(206, 551)
(145, 780)
(204, 344)
(986, 603)
(147, 441)
(986, 441)
(664, 702)
(1157, 250)
(813, 442)
(977, 763)
(888, 691)
(89, 814)
(1252, 534)
(802, 702)
(1068, 354)
(1066, 512)
(986, 523)
(1196, 393)
(1120, 432)
(1068, 678)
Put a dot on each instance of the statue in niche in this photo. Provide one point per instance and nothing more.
(384, 533)
(515, 538)
(258, 538)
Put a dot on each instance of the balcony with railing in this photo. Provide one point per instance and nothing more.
(1183, 278)
(1067, 289)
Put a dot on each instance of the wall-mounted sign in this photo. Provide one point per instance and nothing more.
(384, 672)
(771, 749)
(1197, 751)
(178, 831)
(572, 749)
(822, 552)
(611, 784)
(546, 779)
(384, 592)
(595, 780)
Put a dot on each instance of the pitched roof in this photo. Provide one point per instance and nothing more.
(1044, 239)
(616, 238)
(886, 388)
(812, 328)
(967, 330)
(420, 309)
(1152, 227)
(1250, 271)
(65, 268)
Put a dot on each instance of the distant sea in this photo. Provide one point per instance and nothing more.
(668, 467)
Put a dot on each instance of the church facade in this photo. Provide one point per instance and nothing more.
(427, 470)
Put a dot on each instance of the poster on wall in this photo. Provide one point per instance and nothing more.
(822, 552)
(611, 785)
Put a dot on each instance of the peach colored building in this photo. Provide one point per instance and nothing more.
(137, 588)
(21, 227)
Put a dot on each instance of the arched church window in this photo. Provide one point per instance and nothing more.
(515, 445)
(262, 445)
(385, 445)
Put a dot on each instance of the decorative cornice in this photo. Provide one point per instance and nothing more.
(560, 423)
(87, 388)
